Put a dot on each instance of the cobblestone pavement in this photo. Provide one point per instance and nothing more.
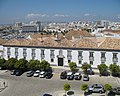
(31, 86)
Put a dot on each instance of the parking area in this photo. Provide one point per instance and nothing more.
(36, 86)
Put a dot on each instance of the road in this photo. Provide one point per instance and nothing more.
(35, 86)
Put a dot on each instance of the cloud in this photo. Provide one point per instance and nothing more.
(87, 14)
(60, 15)
(118, 16)
(32, 15)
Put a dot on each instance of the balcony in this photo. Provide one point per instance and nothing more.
(115, 60)
(16, 53)
(24, 54)
(69, 57)
(8, 53)
(91, 58)
(103, 59)
(33, 54)
(42, 56)
(80, 58)
(52, 56)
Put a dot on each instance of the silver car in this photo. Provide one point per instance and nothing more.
(99, 88)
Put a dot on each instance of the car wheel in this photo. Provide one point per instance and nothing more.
(100, 92)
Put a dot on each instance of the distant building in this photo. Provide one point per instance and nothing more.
(32, 27)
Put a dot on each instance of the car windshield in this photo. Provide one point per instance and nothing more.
(97, 87)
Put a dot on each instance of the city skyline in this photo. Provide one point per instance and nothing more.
(58, 11)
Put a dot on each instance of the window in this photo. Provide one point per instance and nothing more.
(69, 53)
(16, 52)
(114, 55)
(80, 53)
(91, 62)
(69, 56)
(80, 62)
(24, 53)
(69, 61)
(51, 53)
(91, 54)
(33, 54)
(8, 52)
(60, 52)
(42, 54)
(102, 54)
(52, 60)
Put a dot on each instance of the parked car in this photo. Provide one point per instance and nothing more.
(30, 73)
(63, 75)
(77, 76)
(18, 72)
(47, 95)
(99, 88)
(42, 74)
(12, 72)
(49, 75)
(85, 77)
(116, 90)
(37, 73)
(70, 76)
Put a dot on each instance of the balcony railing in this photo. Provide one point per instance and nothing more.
(16, 53)
(42, 56)
(69, 57)
(80, 57)
(33, 54)
(115, 59)
(52, 56)
(8, 53)
(24, 54)
(103, 59)
(91, 58)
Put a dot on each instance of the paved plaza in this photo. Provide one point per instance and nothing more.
(35, 86)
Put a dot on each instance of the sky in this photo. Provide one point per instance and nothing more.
(12, 11)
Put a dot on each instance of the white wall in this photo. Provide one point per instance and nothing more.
(85, 54)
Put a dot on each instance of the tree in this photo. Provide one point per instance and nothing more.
(10, 63)
(66, 87)
(115, 69)
(72, 66)
(21, 64)
(44, 65)
(84, 87)
(85, 66)
(103, 69)
(2, 63)
(33, 64)
(107, 88)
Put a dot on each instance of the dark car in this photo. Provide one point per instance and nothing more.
(97, 88)
(30, 73)
(116, 90)
(47, 95)
(63, 75)
(49, 75)
(18, 72)
(70, 75)
(85, 78)
(77, 76)
(12, 72)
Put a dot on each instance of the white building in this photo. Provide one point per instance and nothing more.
(32, 27)
(60, 52)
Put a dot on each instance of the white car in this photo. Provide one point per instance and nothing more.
(37, 73)
(42, 74)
